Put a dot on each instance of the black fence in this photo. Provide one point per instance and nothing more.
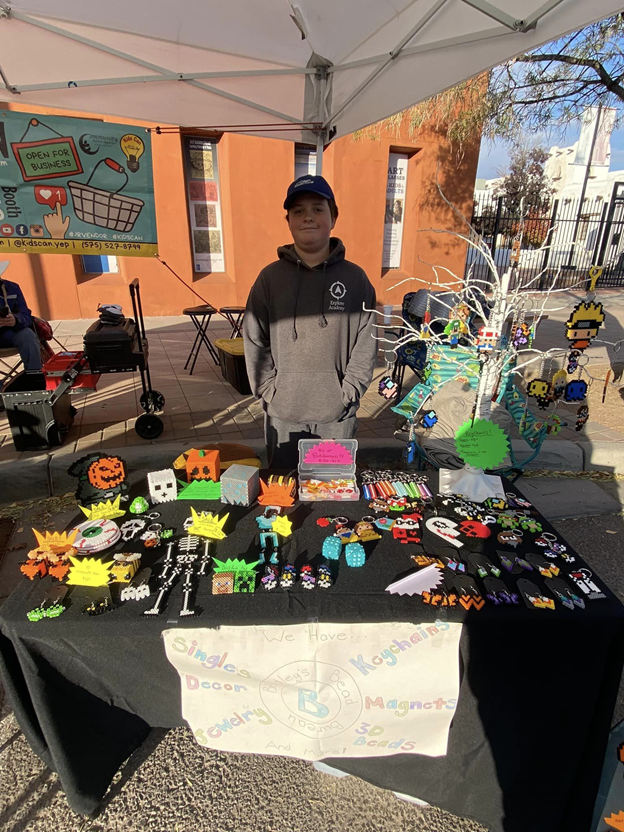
(559, 239)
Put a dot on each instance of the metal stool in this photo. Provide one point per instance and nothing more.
(234, 316)
(200, 315)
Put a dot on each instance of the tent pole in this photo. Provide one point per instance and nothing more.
(319, 152)
(321, 76)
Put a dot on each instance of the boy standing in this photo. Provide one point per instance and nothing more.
(309, 348)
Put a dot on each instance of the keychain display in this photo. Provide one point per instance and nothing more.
(583, 578)
(429, 419)
(573, 357)
(539, 389)
(510, 537)
(406, 529)
(558, 383)
(575, 391)
(385, 484)
(131, 528)
(582, 415)
(388, 388)
(583, 324)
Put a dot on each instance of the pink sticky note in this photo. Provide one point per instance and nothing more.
(328, 453)
(50, 195)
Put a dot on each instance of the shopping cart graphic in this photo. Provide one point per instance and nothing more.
(108, 209)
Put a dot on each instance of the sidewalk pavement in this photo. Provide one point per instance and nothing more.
(206, 408)
(199, 407)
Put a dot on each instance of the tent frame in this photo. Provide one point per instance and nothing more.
(318, 70)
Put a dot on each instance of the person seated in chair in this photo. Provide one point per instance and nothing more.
(16, 324)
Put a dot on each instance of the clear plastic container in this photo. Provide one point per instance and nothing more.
(325, 461)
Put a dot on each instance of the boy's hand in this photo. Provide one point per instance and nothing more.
(9, 320)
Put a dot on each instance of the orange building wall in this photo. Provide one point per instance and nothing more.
(254, 175)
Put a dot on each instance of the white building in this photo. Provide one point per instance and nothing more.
(566, 168)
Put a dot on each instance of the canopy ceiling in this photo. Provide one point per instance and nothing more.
(267, 65)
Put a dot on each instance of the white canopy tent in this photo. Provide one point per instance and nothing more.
(307, 70)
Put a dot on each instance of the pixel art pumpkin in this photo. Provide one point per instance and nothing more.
(101, 477)
(203, 465)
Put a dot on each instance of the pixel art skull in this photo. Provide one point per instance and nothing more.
(162, 486)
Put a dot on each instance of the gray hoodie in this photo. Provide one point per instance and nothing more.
(309, 348)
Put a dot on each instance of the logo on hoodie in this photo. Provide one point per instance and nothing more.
(337, 290)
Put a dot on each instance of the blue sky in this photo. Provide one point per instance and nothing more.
(493, 157)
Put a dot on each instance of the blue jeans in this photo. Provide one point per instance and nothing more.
(27, 344)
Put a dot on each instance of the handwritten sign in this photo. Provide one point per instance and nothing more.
(89, 572)
(328, 453)
(319, 690)
(483, 444)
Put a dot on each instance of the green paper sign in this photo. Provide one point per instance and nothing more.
(481, 443)
(200, 490)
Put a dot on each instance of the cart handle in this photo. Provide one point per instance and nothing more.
(113, 165)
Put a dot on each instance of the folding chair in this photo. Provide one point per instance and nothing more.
(8, 369)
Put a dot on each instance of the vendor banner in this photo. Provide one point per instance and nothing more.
(75, 186)
(319, 690)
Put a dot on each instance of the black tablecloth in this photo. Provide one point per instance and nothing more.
(527, 740)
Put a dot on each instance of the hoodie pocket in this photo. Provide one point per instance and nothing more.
(307, 397)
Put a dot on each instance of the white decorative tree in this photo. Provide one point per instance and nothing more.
(497, 305)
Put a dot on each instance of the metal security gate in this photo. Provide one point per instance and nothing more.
(611, 250)
(561, 239)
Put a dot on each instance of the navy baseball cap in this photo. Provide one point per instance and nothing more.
(308, 184)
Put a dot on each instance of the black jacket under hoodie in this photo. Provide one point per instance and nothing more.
(309, 345)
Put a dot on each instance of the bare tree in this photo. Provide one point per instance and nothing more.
(541, 91)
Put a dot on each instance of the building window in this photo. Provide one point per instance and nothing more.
(204, 200)
(99, 264)
(305, 160)
(396, 189)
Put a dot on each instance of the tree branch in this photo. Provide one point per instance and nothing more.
(610, 83)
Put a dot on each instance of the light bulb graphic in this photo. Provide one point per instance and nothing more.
(132, 147)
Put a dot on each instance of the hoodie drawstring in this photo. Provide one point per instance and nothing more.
(294, 323)
(322, 321)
